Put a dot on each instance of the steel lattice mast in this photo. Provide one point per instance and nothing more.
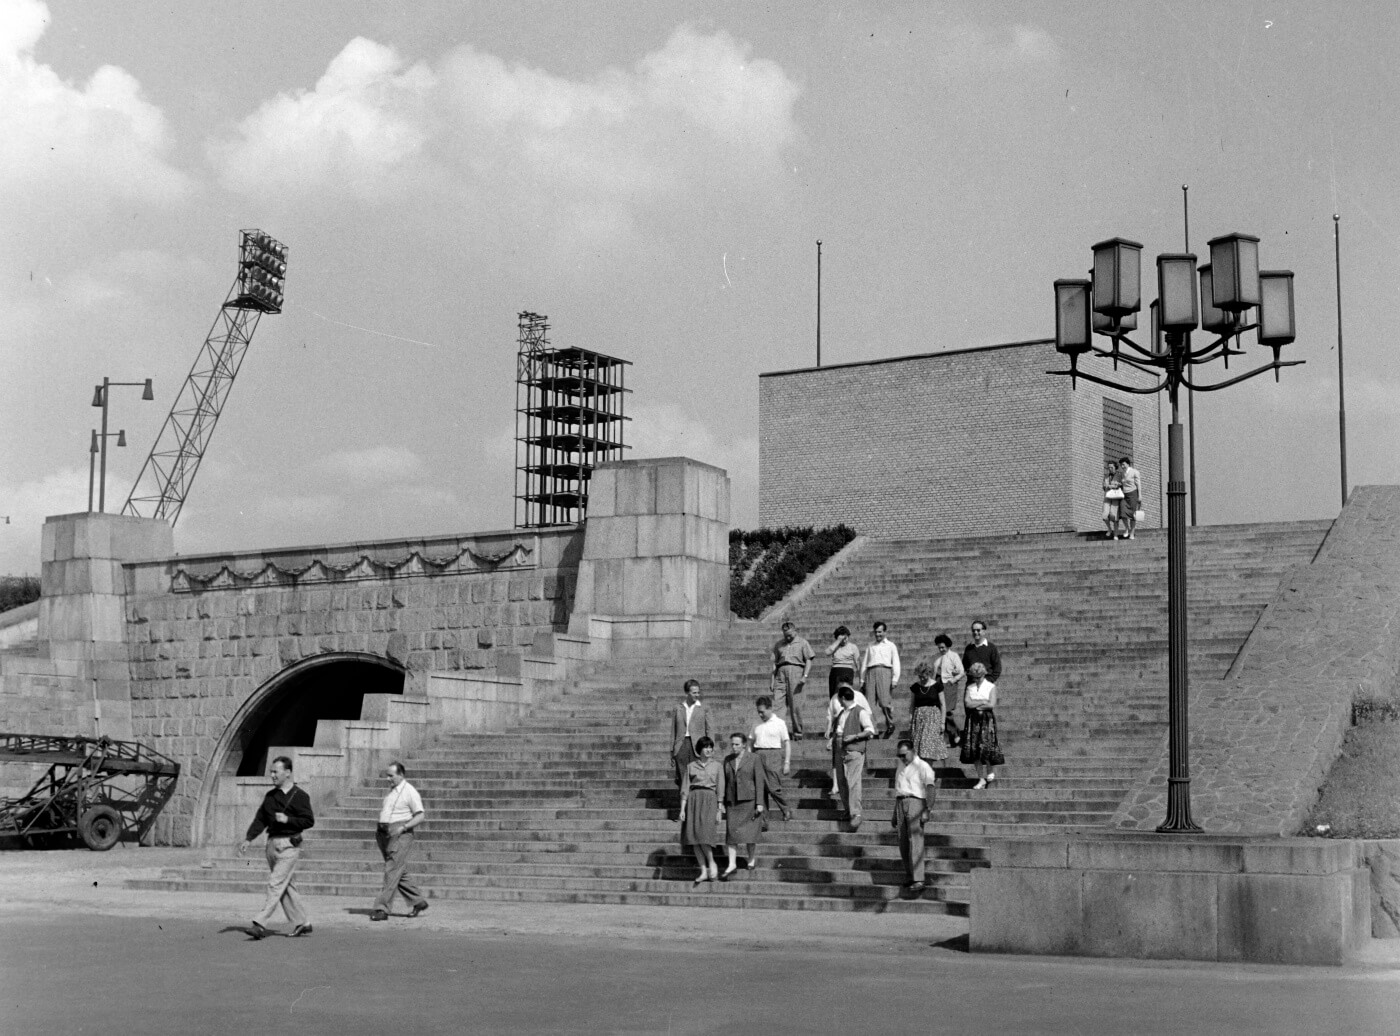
(169, 470)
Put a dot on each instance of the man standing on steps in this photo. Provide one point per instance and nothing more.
(284, 814)
(982, 650)
(689, 723)
(769, 737)
(792, 661)
(914, 788)
(1132, 496)
(400, 813)
(849, 733)
(879, 675)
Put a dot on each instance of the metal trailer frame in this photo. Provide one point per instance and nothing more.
(81, 793)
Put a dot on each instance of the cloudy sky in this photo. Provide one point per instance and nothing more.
(653, 176)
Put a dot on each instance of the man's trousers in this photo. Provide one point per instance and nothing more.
(909, 813)
(395, 850)
(282, 857)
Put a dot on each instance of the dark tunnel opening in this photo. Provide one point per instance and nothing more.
(335, 690)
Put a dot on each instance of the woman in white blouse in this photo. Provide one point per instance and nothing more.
(979, 745)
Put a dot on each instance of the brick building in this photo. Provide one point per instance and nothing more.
(952, 443)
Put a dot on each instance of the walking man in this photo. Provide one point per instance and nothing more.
(1132, 496)
(879, 675)
(400, 813)
(689, 723)
(284, 814)
(792, 661)
(835, 706)
(850, 731)
(914, 788)
(982, 650)
(769, 737)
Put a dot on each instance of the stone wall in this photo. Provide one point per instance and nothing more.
(1263, 738)
(205, 633)
(953, 443)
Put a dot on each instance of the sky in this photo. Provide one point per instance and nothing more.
(654, 177)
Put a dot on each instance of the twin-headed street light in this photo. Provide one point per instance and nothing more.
(1234, 296)
(100, 397)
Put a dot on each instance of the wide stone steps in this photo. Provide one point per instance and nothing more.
(576, 804)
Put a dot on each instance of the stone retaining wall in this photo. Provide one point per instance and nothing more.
(1263, 739)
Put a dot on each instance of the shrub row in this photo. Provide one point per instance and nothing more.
(765, 564)
(18, 590)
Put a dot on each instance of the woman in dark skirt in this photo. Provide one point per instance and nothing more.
(702, 797)
(926, 715)
(980, 747)
(743, 804)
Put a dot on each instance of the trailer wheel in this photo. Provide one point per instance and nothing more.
(100, 827)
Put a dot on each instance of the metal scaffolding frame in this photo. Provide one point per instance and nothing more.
(168, 472)
(568, 419)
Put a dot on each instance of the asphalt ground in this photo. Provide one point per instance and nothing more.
(81, 954)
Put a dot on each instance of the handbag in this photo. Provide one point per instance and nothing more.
(1139, 515)
(1113, 494)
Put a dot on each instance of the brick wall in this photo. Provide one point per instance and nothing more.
(952, 443)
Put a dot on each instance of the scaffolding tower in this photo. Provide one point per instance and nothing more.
(568, 419)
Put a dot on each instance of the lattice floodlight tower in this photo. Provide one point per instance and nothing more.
(168, 473)
(568, 418)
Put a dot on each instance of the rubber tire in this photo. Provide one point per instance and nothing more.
(100, 828)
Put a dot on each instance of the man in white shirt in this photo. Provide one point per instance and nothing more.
(849, 733)
(914, 786)
(879, 675)
(769, 737)
(400, 813)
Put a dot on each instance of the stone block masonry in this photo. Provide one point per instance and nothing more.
(961, 442)
(1263, 738)
(205, 633)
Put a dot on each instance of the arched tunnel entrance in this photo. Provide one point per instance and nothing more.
(284, 713)
(288, 716)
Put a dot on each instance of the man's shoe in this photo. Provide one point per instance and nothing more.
(259, 932)
(916, 887)
(788, 814)
(379, 915)
(797, 736)
(300, 930)
(421, 908)
(855, 823)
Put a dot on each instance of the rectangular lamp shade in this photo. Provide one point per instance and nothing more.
(1072, 301)
(1213, 318)
(1176, 291)
(1103, 323)
(1235, 260)
(1275, 307)
(1117, 277)
(1158, 344)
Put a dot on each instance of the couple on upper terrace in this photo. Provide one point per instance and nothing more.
(1122, 499)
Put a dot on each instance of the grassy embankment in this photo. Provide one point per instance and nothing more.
(1361, 796)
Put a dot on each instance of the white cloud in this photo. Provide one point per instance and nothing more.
(577, 155)
(70, 150)
(376, 465)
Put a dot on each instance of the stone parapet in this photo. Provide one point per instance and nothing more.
(1275, 901)
(1263, 738)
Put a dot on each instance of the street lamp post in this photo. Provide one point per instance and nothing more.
(1235, 296)
(100, 398)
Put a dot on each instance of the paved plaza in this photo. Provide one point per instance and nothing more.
(82, 954)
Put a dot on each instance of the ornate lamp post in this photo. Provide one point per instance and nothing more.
(1235, 296)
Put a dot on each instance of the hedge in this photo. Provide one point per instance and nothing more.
(765, 564)
(16, 591)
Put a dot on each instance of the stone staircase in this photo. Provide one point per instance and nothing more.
(576, 804)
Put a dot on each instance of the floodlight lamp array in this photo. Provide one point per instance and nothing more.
(262, 271)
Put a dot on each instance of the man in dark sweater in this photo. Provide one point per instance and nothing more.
(982, 650)
(285, 813)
